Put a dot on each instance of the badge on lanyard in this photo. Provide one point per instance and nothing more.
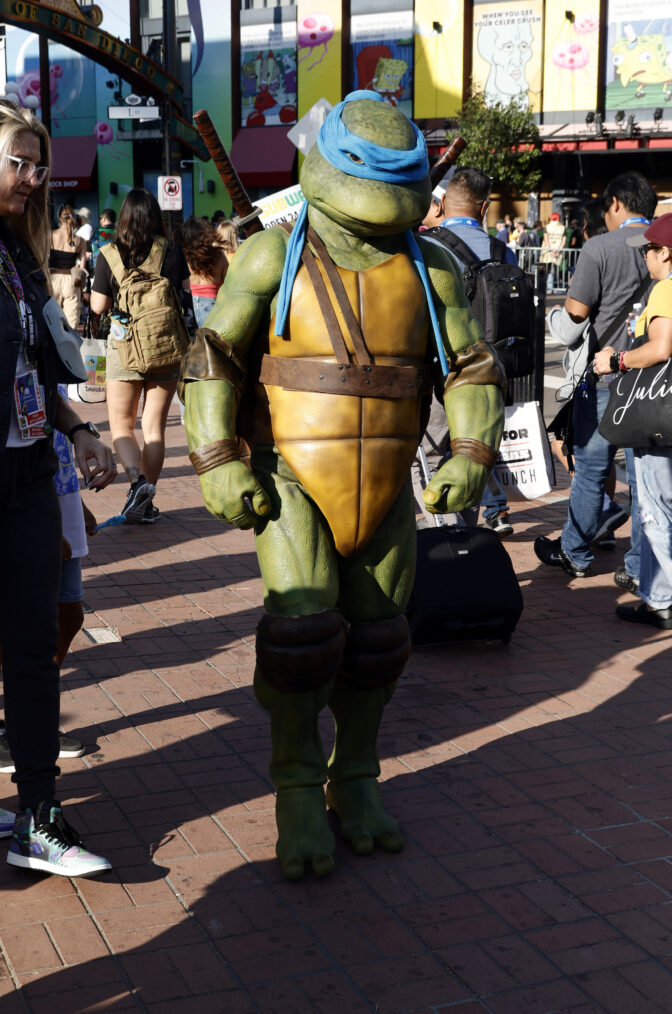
(29, 400)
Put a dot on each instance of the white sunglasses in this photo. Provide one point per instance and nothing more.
(26, 170)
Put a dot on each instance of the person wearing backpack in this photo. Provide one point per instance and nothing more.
(138, 278)
(466, 203)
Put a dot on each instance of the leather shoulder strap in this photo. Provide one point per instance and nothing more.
(362, 354)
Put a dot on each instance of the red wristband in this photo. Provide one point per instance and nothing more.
(621, 362)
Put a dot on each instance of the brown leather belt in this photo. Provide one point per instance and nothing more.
(346, 378)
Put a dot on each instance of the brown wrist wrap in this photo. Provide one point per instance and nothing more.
(209, 456)
(475, 450)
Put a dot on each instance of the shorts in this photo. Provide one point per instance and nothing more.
(115, 371)
(71, 589)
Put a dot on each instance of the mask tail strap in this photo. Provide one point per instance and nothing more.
(416, 254)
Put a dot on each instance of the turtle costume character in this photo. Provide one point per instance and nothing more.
(318, 356)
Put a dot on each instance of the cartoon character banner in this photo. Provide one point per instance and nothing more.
(439, 66)
(571, 68)
(268, 74)
(507, 53)
(319, 34)
(639, 54)
(382, 56)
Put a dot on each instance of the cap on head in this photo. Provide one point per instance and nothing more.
(659, 232)
(555, 217)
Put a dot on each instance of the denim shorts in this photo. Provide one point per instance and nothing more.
(71, 589)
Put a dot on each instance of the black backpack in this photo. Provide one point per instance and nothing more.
(502, 300)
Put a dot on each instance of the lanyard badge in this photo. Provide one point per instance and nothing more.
(29, 401)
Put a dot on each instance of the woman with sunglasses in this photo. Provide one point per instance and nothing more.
(653, 465)
(30, 520)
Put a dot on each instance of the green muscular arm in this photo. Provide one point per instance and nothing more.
(473, 410)
(230, 491)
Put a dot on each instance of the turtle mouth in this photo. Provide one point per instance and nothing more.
(368, 225)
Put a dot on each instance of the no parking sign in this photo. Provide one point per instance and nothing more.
(170, 193)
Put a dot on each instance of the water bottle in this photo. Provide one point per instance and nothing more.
(636, 311)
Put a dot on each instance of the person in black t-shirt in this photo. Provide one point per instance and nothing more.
(140, 222)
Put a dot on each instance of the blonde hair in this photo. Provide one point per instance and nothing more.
(32, 227)
(227, 236)
(66, 216)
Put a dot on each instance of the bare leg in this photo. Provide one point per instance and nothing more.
(156, 405)
(123, 398)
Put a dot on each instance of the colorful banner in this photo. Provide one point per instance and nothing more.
(639, 55)
(268, 74)
(319, 38)
(382, 56)
(439, 66)
(211, 89)
(570, 68)
(283, 206)
(507, 52)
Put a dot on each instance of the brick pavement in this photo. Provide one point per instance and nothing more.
(534, 783)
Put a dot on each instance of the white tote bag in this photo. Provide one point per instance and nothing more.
(524, 465)
(92, 390)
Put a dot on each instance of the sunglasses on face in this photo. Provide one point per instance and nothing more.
(26, 170)
(645, 249)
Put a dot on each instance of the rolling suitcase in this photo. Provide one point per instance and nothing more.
(465, 585)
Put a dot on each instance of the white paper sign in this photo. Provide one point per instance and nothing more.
(524, 460)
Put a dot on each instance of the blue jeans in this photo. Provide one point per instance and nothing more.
(202, 307)
(494, 498)
(654, 484)
(632, 557)
(593, 458)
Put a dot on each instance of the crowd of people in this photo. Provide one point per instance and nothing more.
(43, 523)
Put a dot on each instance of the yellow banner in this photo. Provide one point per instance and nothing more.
(319, 42)
(570, 68)
(439, 44)
(507, 53)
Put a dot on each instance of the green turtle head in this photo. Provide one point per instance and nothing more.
(368, 207)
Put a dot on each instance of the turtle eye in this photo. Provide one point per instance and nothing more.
(353, 158)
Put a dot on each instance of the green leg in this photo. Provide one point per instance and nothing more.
(353, 792)
(299, 770)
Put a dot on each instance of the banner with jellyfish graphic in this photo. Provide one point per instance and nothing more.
(382, 56)
(439, 66)
(319, 39)
(507, 52)
(571, 67)
(639, 55)
(268, 73)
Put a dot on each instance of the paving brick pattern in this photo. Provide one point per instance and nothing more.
(533, 781)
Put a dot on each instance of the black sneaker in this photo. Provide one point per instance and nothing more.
(68, 747)
(661, 618)
(151, 514)
(500, 524)
(45, 841)
(139, 496)
(549, 551)
(610, 519)
(622, 579)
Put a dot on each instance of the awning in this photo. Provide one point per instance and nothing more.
(72, 160)
(263, 156)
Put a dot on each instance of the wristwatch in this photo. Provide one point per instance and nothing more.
(84, 426)
(613, 362)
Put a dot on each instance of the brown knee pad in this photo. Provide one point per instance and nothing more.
(375, 653)
(297, 653)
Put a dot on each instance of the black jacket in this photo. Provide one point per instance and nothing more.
(51, 369)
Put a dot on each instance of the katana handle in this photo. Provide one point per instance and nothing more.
(242, 205)
(449, 157)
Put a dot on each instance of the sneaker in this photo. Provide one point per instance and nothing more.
(6, 823)
(500, 524)
(46, 842)
(610, 519)
(68, 747)
(661, 618)
(622, 579)
(550, 552)
(609, 542)
(139, 495)
(151, 514)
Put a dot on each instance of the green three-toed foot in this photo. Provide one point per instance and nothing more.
(304, 835)
(364, 822)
